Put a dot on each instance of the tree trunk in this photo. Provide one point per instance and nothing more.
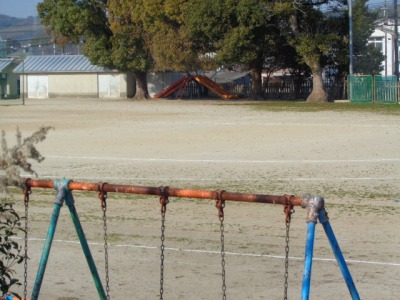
(256, 84)
(142, 91)
(318, 93)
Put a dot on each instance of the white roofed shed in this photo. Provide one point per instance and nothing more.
(71, 76)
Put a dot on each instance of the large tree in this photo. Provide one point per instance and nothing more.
(314, 36)
(170, 46)
(112, 36)
(252, 33)
(240, 32)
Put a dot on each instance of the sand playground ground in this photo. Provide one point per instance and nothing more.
(352, 159)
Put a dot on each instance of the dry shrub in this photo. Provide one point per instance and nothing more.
(16, 159)
(12, 161)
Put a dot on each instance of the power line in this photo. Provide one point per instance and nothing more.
(374, 5)
(28, 39)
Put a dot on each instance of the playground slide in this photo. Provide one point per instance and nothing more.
(216, 88)
(203, 80)
(172, 88)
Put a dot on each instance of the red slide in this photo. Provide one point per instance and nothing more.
(216, 88)
(203, 80)
(180, 83)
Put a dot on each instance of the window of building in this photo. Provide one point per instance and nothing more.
(377, 42)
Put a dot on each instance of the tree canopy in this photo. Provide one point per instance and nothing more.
(113, 36)
(244, 33)
(256, 35)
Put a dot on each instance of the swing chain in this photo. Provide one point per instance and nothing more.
(27, 192)
(220, 204)
(289, 210)
(163, 202)
(103, 198)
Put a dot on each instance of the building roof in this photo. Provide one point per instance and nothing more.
(4, 63)
(58, 64)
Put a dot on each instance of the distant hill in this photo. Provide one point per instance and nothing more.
(21, 29)
(26, 36)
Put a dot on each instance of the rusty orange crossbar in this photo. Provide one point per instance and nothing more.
(171, 192)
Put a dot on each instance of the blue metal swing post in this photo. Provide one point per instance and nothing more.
(65, 194)
(313, 204)
(324, 220)
(316, 211)
(305, 294)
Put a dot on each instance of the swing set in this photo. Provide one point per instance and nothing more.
(314, 205)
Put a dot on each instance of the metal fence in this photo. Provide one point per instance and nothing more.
(373, 89)
(357, 89)
(287, 90)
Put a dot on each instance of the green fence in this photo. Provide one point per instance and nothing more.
(368, 89)
(385, 89)
(360, 88)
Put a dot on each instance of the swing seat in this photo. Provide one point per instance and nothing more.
(12, 298)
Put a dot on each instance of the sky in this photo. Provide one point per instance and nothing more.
(19, 8)
(26, 8)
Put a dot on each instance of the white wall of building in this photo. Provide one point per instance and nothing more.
(109, 85)
(38, 86)
(72, 86)
(77, 85)
(384, 41)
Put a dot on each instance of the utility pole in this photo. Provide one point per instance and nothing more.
(396, 41)
(351, 37)
(23, 81)
(385, 23)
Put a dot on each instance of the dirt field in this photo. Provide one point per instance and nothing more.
(351, 159)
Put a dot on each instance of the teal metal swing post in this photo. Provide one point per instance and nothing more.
(64, 194)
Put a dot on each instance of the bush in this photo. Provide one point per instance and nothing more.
(12, 161)
(10, 250)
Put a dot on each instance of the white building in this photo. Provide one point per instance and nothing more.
(71, 76)
(382, 38)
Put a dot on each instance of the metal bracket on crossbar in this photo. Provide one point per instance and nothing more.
(313, 204)
(61, 186)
